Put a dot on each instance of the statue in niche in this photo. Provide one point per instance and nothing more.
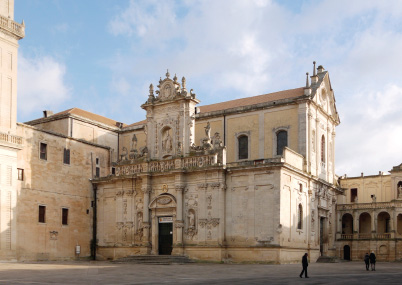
(208, 130)
(134, 143)
(124, 154)
(191, 219)
(167, 142)
(217, 142)
(400, 190)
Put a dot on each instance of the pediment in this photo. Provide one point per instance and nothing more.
(324, 96)
(163, 201)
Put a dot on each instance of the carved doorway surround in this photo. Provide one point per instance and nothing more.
(162, 206)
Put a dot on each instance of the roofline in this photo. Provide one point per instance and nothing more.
(62, 136)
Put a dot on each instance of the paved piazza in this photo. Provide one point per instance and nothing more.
(109, 273)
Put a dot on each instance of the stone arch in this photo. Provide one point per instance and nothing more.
(365, 223)
(383, 222)
(347, 224)
(164, 200)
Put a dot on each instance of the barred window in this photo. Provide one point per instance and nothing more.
(43, 151)
(281, 141)
(243, 147)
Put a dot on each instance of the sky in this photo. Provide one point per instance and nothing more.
(101, 56)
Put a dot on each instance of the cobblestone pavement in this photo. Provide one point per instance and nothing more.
(199, 273)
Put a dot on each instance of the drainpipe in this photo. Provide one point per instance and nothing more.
(94, 223)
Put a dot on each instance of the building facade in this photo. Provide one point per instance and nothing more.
(250, 179)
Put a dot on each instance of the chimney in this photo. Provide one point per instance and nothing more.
(119, 125)
(314, 78)
(307, 89)
(47, 113)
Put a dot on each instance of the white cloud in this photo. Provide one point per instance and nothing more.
(239, 48)
(41, 84)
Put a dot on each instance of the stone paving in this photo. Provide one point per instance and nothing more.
(198, 273)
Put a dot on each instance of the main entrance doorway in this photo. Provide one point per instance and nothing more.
(165, 240)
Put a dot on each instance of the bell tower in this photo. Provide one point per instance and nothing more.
(10, 33)
(170, 119)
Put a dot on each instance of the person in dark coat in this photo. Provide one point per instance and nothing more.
(305, 264)
(372, 261)
(367, 260)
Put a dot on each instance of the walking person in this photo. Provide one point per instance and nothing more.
(305, 264)
(372, 261)
(367, 261)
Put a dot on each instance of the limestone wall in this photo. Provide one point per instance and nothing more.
(55, 185)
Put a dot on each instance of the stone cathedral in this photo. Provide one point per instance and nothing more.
(246, 180)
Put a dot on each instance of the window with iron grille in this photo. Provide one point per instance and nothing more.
(281, 141)
(43, 151)
(66, 156)
(42, 214)
(243, 147)
(64, 219)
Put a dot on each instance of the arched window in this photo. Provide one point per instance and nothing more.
(281, 141)
(243, 147)
(300, 217)
(323, 149)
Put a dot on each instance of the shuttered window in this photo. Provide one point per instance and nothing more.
(43, 151)
(243, 147)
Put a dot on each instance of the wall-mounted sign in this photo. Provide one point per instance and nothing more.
(165, 220)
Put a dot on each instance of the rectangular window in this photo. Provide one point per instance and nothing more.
(42, 214)
(43, 151)
(113, 171)
(353, 195)
(97, 161)
(66, 158)
(20, 174)
(97, 174)
(64, 219)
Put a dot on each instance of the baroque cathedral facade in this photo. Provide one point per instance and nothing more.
(250, 179)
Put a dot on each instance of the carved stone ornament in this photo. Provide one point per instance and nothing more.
(164, 200)
(53, 235)
(210, 221)
(179, 224)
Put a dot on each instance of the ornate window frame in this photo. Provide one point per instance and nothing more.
(275, 139)
(237, 136)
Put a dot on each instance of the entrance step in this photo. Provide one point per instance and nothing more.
(329, 259)
(155, 259)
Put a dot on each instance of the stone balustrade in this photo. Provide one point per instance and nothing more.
(371, 236)
(362, 206)
(167, 165)
(12, 26)
(10, 139)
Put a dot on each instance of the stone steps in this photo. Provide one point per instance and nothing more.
(154, 259)
(329, 259)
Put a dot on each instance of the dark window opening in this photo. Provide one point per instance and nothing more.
(97, 174)
(42, 214)
(66, 157)
(97, 160)
(243, 147)
(301, 187)
(64, 219)
(300, 218)
(20, 174)
(43, 151)
(87, 211)
(353, 195)
(113, 171)
(323, 149)
(281, 141)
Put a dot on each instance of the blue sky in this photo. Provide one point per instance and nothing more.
(102, 55)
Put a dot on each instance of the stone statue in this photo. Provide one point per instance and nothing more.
(134, 143)
(400, 191)
(208, 130)
(167, 142)
(191, 219)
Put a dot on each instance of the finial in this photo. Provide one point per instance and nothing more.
(23, 23)
(175, 78)
(183, 82)
(167, 73)
(151, 90)
(307, 81)
(160, 80)
(314, 70)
